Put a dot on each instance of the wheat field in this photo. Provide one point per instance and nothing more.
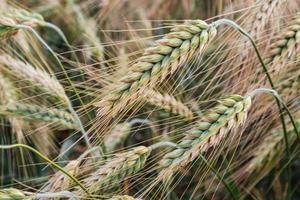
(149, 99)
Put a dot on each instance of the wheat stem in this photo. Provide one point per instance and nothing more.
(66, 74)
(247, 35)
(47, 160)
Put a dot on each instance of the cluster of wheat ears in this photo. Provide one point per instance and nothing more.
(141, 99)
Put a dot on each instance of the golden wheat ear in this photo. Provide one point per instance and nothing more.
(168, 103)
(59, 182)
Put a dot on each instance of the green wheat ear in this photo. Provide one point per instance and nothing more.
(209, 131)
(13, 194)
(116, 169)
(158, 62)
(123, 197)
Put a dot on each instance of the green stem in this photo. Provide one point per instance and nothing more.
(68, 79)
(63, 37)
(236, 197)
(47, 160)
(247, 35)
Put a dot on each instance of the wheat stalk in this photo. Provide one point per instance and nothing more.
(271, 148)
(65, 119)
(214, 126)
(59, 181)
(118, 168)
(168, 103)
(160, 60)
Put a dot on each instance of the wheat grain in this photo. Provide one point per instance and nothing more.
(168, 103)
(230, 112)
(159, 61)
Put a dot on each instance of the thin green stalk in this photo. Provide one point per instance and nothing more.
(63, 37)
(247, 35)
(228, 187)
(47, 160)
(68, 79)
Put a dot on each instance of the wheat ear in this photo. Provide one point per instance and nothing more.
(121, 166)
(159, 61)
(13, 194)
(285, 43)
(10, 17)
(64, 118)
(214, 126)
(265, 14)
(40, 79)
(289, 84)
(270, 149)
(168, 103)
(59, 181)
(123, 197)
(116, 169)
